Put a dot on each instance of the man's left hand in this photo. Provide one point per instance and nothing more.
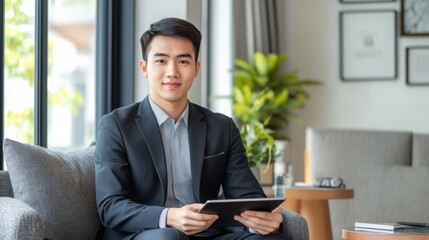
(262, 222)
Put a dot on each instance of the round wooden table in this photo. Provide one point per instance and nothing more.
(351, 234)
(312, 204)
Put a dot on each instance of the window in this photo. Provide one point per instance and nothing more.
(71, 73)
(69, 66)
(63, 64)
(19, 71)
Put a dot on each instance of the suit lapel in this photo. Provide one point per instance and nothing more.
(147, 124)
(197, 141)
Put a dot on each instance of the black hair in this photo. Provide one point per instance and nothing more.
(173, 27)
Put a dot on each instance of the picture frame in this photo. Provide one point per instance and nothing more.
(415, 17)
(365, 1)
(417, 62)
(368, 45)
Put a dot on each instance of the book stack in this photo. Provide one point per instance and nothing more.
(379, 227)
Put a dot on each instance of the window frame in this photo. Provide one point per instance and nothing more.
(115, 55)
(2, 37)
(41, 74)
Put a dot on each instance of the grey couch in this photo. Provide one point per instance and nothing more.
(388, 170)
(46, 194)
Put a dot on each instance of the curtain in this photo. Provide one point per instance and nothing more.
(256, 27)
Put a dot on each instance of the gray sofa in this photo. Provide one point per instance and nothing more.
(47, 194)
(388, 170)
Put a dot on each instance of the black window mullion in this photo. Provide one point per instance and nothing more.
(104, 58)
(41, 74)
(2, 19)
(115, 55)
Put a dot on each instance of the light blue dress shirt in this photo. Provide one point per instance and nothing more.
(177, 155)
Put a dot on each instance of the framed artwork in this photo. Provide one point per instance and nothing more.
(368, 43)
(365, 1)
(417, 62)
(415, 17)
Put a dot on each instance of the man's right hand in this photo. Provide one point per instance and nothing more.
(188, 220)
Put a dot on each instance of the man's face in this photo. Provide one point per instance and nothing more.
(170, 69)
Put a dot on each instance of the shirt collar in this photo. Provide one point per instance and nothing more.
(161, 116)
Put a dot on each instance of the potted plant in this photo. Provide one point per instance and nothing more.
(261, 93)
(258, 143)
(260, 148)
(263, 100)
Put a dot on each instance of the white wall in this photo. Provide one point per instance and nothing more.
(148, 12)
(311, 38)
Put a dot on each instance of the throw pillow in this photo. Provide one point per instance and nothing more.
(59, 186)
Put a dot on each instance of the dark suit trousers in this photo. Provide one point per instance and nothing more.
(174, 234)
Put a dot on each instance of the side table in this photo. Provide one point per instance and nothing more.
(312, 204)
(418, 234)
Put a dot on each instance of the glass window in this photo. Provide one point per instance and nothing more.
(19, 70)
(71, 72)
(71, 78)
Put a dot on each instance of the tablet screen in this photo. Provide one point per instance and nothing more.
(226, 209)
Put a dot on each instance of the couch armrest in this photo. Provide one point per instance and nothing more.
(294, 225)
(19, 221)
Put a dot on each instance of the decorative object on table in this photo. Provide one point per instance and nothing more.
(283, 170)
(415, 17)
(282, 156)
(263, 100)
(368, 45)
(365, 1)
(283, 181)
(417, 62)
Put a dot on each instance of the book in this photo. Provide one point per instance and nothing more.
(380, 226)
(404, 230)
(374, 230)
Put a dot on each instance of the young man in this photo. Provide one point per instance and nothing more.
(158, 160)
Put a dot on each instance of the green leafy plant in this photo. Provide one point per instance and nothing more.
(258, 143)
(261, 93)
(263, 101)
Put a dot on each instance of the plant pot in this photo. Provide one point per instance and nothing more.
(264, 175)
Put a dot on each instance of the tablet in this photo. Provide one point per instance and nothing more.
(226, 209)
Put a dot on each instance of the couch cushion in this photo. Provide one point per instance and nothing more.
(60, 186)
(421, 150)
(5, 185)
(350, 148)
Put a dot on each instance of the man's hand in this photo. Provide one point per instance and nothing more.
(262, 222)
(188, 220)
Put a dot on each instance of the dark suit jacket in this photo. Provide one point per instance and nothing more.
(131, 177)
